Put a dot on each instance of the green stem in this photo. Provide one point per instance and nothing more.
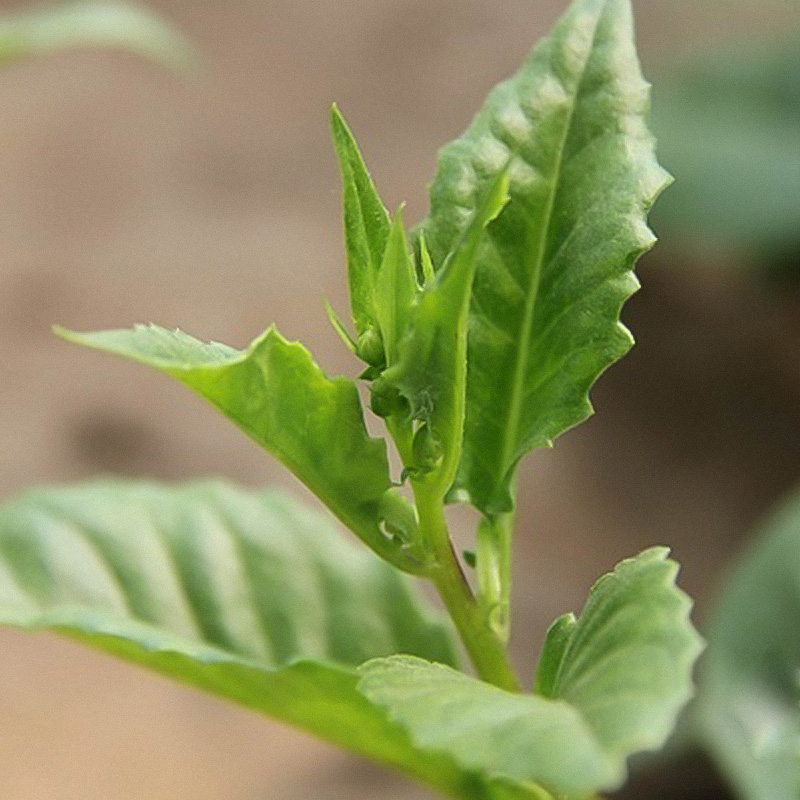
(486, 650)
(402, 434)
(494, 571)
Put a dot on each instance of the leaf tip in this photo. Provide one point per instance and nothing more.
(339, 327)
(74, 337)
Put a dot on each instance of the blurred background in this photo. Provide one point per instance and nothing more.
(211, 202)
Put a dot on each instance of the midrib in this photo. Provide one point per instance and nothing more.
(517, 393)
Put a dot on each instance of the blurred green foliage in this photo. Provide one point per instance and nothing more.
(104, 24)
(728, 128)
(749, 687)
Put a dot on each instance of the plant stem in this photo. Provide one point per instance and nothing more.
(402, 434)
(485, 648)
(494, 571)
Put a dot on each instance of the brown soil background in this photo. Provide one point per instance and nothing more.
(129, 195)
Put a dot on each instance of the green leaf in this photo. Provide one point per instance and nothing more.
(749, 686)
(559, 635)
(624, 675)
(395, 290)
(99, 24)
(366, 225)
(339, 327)
(246, 595)
(276, 394)
(431, 370)
(727, 123)
(557, 266)
(521, 737)
(426, 262)
(628, 663)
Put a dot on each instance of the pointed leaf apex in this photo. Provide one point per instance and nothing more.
(339, 327)
(366, 224)
(555, 269)
(336, 118)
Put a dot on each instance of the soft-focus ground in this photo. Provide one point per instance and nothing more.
(129, 195)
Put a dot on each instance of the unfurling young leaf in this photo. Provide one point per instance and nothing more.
(366, 234)
(395, 290)
(431, 368)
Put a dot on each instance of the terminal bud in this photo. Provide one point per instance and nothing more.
(369, 348)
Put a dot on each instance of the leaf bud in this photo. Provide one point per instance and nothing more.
(385, 399)
(426, 449)
(370, 348)
(398, 517)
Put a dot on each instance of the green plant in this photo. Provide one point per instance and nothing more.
(481, 337)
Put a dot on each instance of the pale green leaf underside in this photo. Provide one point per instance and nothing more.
(557, 266)
(215, 569)
(243, 594)
(749, 685)
(624, 675)
(98, 24)
(275, 392)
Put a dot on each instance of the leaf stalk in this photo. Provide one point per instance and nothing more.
(494, 571)
(486, 649)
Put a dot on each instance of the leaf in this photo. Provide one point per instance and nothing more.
(522, 737)
(728, 123)
(431, 369)
(625, 674)
(395, 290)
(425, 261)
(243, 594)
(246, 595)
(629, 660)
(96, 24)
(339, 327)
(276, 394)
(748, 709)
(557, 265)
(366, 225)
(559, 635)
